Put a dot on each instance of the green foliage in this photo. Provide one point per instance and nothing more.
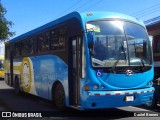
(5, 25)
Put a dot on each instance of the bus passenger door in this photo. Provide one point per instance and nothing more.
(74, 70)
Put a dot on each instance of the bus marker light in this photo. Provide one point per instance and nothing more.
(102, 87)
(95, 87)
(97, 94)
(127, 93)
(117, 94)
(107, 94)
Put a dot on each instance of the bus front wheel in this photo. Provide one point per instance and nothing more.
(59, 96)
(153, 103)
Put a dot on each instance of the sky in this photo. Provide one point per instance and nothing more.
(30, 14)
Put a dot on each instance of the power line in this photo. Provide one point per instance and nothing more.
(92, 5)
(145, 14)
(139, 12)
(68, 8)
(148, 11)
(83, 4)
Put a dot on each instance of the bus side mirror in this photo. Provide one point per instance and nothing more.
(90, 37)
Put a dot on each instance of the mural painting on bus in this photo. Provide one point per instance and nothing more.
(40, 72)
(27, 76)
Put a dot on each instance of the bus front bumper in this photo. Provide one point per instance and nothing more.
(111, 99)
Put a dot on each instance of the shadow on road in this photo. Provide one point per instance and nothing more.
(30, 103)
(33, 104)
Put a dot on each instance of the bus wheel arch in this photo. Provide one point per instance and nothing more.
(153, 103)
(58, 95)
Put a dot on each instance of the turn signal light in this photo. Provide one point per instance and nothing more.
(86, 87)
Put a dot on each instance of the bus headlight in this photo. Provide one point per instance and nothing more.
(102, 87)
(95, 87)
(149, 84)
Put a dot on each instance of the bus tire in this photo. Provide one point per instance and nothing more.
(153, 103)
(59, 96)
(17, 86)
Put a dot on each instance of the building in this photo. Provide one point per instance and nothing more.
(153, 28)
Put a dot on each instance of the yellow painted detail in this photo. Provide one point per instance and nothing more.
(26, 76)
(18, 68)
(1, 73)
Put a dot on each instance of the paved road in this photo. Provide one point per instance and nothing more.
(28, 103)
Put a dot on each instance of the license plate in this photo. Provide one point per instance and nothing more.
(129, 98)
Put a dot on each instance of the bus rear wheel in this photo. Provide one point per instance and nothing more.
(59, 96)
(17, 86)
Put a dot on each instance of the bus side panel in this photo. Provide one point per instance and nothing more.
(38, 74)
(23, 70)
(47, 70)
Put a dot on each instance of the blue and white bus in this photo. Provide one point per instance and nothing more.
(84, 60)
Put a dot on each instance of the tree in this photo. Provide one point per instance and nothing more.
(5, 25)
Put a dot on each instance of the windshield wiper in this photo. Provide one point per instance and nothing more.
(143, 65)
(114, 66)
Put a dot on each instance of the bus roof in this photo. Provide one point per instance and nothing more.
(83, 17)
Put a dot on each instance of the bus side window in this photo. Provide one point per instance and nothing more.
(40, 39)
(24, 47)
(46, 42)
(62, 37)
(54, 39)
(43, 42)
(31, 46)
(58, 37)
(17, 49)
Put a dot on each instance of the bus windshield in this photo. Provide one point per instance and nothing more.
(119, 43)
(1, 65)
